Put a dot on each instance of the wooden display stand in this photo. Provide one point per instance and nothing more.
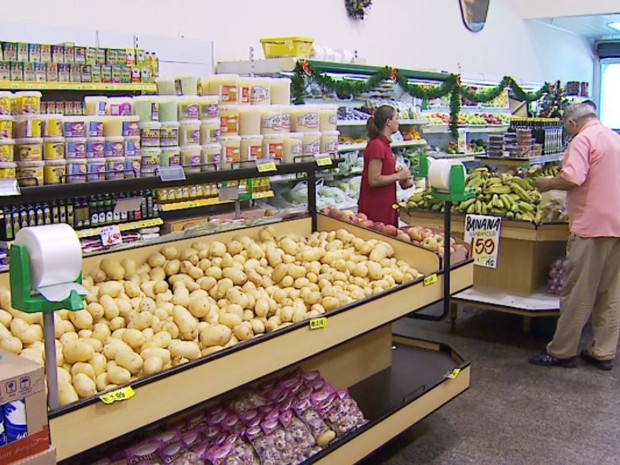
(356, 349)
(526, 252)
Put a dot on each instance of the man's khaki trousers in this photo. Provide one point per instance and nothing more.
(591, 288)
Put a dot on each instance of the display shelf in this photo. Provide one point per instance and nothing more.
(157, 397)
(63, 191)
(445, 129)
(414, 386)
(287, 65)
(538, 304)
(175, 206)
(402, 122)
(77, 86)
(150, 223)
(512, 162)
(526, 251)
(395, 145)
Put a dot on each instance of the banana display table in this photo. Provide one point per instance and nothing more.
(516, 285)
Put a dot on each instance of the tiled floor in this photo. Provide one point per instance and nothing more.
(514, 413)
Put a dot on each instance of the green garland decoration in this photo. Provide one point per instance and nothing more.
(304, 74)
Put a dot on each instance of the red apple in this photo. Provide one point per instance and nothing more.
(335, 213)
(378, 226)
(414, 242)
(367, 223)
(403, 236)
(325, 211)
(390, 230)
(362, 216)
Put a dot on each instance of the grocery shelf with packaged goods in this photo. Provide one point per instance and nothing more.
(154, 397)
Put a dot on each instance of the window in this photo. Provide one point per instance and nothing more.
(610, 93)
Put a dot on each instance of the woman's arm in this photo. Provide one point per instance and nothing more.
(376, 179)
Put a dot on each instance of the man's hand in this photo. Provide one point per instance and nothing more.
(543, 184)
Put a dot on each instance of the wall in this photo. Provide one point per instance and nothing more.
(533, 9)
(421, 34)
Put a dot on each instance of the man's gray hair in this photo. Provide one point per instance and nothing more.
(578, 112)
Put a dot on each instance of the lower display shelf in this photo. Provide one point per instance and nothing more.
(424, 376)
(403, 381)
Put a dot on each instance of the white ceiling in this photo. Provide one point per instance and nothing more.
(592, 27)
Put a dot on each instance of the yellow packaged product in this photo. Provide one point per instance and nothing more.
(5, 103)
(7, 170)
(52, 125)
(229, 120)
(30, 173)
(7, 150)
(54, 171)
(53, 148)
(27, 127)
(28, 103)
(28, 149)
(6, 127)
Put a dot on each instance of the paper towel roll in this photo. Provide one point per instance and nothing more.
(439, 173)
(55, 254)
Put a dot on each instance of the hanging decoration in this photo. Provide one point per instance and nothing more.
(357, 9)
(553, 103)
(452, 86)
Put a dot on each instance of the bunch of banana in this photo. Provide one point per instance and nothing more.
(504, 195)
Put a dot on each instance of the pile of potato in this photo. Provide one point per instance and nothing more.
(141, 319)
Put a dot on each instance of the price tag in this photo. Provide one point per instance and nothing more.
(323, 159)
(110, 235)
(171, 173)
(453, 374)
(483, 233)
(118, 395)
(430, 279)
(265, 166)
(318, 323)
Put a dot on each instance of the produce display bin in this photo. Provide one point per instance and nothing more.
(526, 251)
(158, 397)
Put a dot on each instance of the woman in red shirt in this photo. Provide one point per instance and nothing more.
(379, 178)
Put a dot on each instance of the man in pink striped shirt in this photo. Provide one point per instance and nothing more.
(591, 176)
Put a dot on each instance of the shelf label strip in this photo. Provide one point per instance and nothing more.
(318, 323)
(430, 279)
(125, 393)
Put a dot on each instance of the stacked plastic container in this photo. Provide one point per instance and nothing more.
(27, 133)
(7, 144)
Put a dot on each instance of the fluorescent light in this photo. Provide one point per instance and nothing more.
(615, 26)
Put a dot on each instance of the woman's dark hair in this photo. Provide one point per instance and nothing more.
(377, 122)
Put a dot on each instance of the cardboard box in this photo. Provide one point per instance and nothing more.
(44, 458)
(21, 379)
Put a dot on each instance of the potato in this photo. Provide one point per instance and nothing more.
(210, 350)
(117, 323)
(152, 365)
(273, 323)
(118, 375)
(330, 303)
(140, 321)
(82, 319)
(162, 354)
(130, 361)
(171, 328)
(98, 363)
(243, 332)
(217, 335)
(5, 318)
(109, 307)
(67, 393)
(26, 333)
(113, 347)
(134, 338)
(111, 288)
(184, 349)
(258, 327)
(186, 322)
(112, 269)
(199, 307)
(181, 297)
(101, 331)
(68, 337)
(96, 344)
(157, 274)
(170, 252)
(261, 307)
(155, 260)
(172, 267)
(102, 381)
(84, 368)
(77, 351)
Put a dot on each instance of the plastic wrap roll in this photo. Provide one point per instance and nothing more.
(55, 254)
(439, 173)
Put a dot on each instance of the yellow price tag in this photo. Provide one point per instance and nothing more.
(318, 323)
(266, 167)
(430, 279)
(118, 395)
(395, 206)
(454, 374)
(324, 161)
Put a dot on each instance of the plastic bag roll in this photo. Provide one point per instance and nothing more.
(439, 173)
(55, 254)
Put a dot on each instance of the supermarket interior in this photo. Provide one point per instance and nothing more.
(314, 233)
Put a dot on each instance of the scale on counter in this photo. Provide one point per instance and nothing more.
(29, 300)
(420, 166)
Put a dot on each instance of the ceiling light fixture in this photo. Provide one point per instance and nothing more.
(615, 26)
